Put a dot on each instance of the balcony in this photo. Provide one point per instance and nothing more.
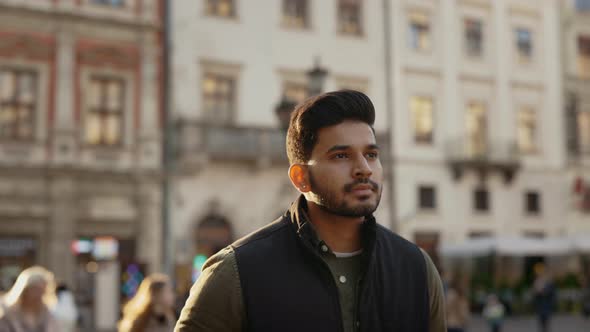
(484, 158)
(197, 143)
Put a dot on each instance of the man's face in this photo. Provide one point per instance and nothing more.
(345, 172)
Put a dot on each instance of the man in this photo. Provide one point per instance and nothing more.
(325, 265)
(544, 296)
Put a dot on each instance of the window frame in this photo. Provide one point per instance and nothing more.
(532, 207)
(17, 71)
(476, 148)
(103, 111)
(289, 21)
(469, 35)
(534, 148)
(583, 55)
(426, 193)
(414, 43)
(109, 4)
(211, 9)
(521, 55)
(420, 100)
(481, 200)
(355, 7)
(228, 118)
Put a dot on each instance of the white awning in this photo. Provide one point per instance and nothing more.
(582, 243)
(510, 245)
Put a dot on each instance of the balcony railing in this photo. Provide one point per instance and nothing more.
(197, 142)
(484, 157)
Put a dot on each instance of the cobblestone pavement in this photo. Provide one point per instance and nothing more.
(561, 323)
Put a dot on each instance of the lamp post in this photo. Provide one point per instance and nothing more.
(283, 111)
(316, 77)
(315, 85)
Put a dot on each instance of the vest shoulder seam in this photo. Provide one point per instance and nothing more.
(260, 234)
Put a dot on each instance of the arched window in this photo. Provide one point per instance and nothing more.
(212, 234)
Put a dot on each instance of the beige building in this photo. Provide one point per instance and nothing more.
(472, 90)
(232, 61)
(478, 128)
(575, 46)
(80, 148)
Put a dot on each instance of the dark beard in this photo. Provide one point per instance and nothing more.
(327, 201)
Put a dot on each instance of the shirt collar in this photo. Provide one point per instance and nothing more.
(306, 230)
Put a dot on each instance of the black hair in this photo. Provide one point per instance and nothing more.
(322, 111)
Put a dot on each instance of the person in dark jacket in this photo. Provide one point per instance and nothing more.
(326, 264)
(545, 297)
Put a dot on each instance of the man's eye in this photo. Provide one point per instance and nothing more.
(372, 155)
(340, 156)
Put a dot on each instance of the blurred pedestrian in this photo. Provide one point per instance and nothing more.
(457, 310)
(65, 311)
(585, 300)
(545, 298)
(29, 302)
(152, 307)
(493, 312)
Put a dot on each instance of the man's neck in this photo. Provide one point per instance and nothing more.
(341, 234)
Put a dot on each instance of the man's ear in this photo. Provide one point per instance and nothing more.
(299, 177)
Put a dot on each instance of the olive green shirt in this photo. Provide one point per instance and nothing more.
(346, 273)
(216, 305)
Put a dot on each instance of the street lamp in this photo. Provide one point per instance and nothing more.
(283, 111)
(316, 77)
(315, 85)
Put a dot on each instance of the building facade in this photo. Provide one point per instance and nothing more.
(476, 115)
(232, 62)
(80, 132)
(477, 119)
(575, 46)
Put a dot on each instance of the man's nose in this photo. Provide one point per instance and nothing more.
(362, 169)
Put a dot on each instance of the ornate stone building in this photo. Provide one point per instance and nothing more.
(80, 131)
(575, 46)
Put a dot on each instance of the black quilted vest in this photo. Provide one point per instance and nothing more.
(287, 286)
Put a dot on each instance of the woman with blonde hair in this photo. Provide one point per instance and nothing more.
(151, 309)
(28, 304)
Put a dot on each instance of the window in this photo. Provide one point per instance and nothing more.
(584, 132)
(527, 130)
(419, 32)
(426, 197)
(350, 17)
(295, 13)
(104, 117)
(476, 127)
(481, 200)
(221, 8)
(473, 37)
(584, 56)
(356, 83)
(421, 108)
(295, 92)
(114, 3)
(218, 97)
(524, 45)
(532, 202)
(18, 102)
(583, 5)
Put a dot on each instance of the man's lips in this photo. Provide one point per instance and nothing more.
(362, 187)
(365, 187)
